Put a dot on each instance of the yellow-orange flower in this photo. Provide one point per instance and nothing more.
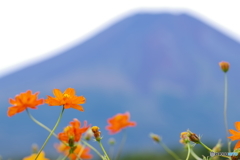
(224, 66)
(235, 134)
(73, 132)
(119, 122)
(68, 99)
(33, 156)
(84, 152)
(23, 101)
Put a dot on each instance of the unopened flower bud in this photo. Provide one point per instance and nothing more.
(111, 141)
(224, 66)
(34, 148)
(97, 133)
(88, 135)
(218, 147)
(155, 137)
(194, 138)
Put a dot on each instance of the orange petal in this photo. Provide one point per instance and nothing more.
(70, 91)
(78, 107)
(57, 93)
(237, 125)
(79, 100)
(12, 101)
(234, 132)
(237, 145)
(52, 101)
(11, 111)
(132, 124)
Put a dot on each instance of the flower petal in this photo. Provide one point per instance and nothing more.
(70, 91)
(237, 125)
(57, 93)
(237, 145)
(78, 107)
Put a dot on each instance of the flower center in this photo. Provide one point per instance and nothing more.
(65, 95)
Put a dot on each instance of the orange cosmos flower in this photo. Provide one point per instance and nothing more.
(119, 122)
(84, 152)
(22, 101)
(68, 99)
(235, 134)
(73, 132)
(33, 156)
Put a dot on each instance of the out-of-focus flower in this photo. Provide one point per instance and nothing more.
(88, 134)
(34, 148)
(184, 138)
(235, 134)
(119, 122)
(218, 147)
(33, 156)
(111, 141)
(23, 101)
(82, 152)
(96, 133)
(73, 132)
(68, 99)
(224, 66)
(155, 137)
(188, 136)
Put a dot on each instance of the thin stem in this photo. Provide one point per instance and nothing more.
(105, 153)
(124, 138)
(194, 155)
(225, 109)
(39, 123)
(210, 150)
(90, 146)
(111, 151)
(169, 151)
(189, 151)
(54, 128)
(81, 151)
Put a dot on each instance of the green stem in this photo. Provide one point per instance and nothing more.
(124, 138)
(169, 151)
(189, 151)
(90, 146)
(54, 128)
(105, 153)
(194, 155)
(111, 151)
(225, 109)
(39, 123)
(210, 150)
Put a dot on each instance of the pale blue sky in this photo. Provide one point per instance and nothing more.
(31, 31)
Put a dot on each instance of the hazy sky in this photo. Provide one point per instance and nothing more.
(31, 31)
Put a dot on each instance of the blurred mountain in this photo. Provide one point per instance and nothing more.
(162, 68)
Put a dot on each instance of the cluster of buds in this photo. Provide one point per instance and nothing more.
(96, 133)
(188, 136)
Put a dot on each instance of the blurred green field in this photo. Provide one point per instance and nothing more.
(161, 155)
